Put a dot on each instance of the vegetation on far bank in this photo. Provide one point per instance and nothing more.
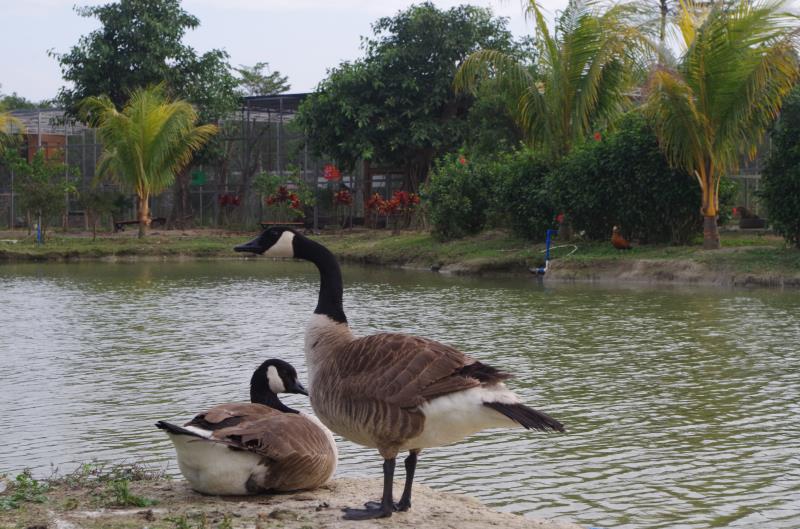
(489, 251)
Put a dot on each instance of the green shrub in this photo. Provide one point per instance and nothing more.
(624, 180)
(459, 195)
(23, 489)
(521, 197)
(781, 178)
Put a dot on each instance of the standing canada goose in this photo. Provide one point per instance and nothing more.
(393, 392)
(256, 447)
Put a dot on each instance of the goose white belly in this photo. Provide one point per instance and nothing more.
(451, 418)
(213, 468)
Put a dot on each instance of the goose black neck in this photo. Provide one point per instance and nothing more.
(330, 286)
(261, 394)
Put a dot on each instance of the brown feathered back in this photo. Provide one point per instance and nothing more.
(374, 385)
(295, 449)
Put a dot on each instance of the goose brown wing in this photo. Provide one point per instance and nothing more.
(278, 436)
(406, 370)
(295, 448)
(230, 414)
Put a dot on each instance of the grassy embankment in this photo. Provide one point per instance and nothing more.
(742, 254)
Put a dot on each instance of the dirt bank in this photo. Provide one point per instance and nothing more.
(175, 506)
(676, 271)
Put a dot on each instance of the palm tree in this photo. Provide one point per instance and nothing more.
(737, 63)
(581, 78)
(146, 143)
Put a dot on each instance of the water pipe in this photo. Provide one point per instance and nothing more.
(543, 269)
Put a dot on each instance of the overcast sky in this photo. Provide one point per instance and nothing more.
(300, 38)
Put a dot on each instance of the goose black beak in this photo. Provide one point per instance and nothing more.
(298, 388)
(253, 246)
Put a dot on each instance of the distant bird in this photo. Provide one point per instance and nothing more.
(251, 448)
(619, 242)
(391, 391)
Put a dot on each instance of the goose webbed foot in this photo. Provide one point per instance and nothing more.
(374, 510)
(396, 507)
(369, 513)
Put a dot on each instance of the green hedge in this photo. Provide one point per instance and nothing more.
(467, 195)
(459, 196)
(521, 199)
(781, 177)
(624, 180)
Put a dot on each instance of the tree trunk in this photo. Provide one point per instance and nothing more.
(709, 186)
(367, 194)
(144, 215)
(662, 30)
(710, 233)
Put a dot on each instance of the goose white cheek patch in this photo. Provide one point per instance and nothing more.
(275, 382)
(283, 246)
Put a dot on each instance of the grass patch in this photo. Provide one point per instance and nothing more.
(742, 252)
(122, 496)
(23, 489)
(100, 473)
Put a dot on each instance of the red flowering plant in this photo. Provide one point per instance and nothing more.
(228, 202)
(331, 173)
(284, 196)
(397, 210)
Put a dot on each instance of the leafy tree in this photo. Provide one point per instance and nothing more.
(781, 177)
(254, 81)
(147, 142)
(41, 186)
(17, 102)
(583, 74)
(738, 61)
(140, 44)
(396, 106)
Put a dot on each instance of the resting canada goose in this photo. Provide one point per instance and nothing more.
(393, 392)
(261, 446)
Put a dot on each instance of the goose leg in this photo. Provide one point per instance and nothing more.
(411, 466)
(385, 508)
(405, 500)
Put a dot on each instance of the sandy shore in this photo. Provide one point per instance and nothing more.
(82, 506)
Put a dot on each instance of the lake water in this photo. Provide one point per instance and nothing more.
(682, 404)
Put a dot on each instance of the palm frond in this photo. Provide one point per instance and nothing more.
(149, 140)
(678, 123)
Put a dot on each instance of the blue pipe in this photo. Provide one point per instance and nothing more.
(548, 239)
(39, 231)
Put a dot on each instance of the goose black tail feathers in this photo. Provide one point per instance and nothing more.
(178, 430)
(527, 417)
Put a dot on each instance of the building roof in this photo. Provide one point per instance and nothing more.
(47, 121)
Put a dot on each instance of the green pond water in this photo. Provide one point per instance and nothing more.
(682, 404)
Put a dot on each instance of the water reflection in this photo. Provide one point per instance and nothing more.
(682, 404)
